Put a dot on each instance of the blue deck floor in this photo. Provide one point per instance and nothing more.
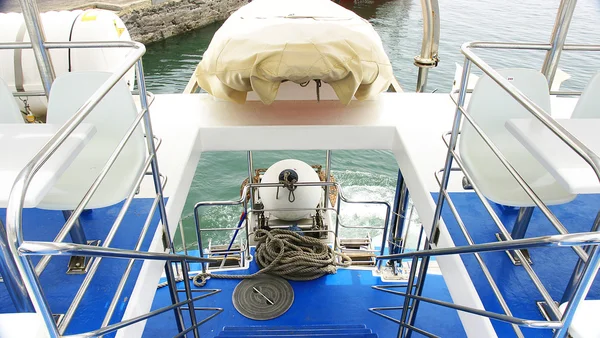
(342, 298)
(60, 288)
(553, 265)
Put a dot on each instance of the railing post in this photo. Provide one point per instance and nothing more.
(33, 22)
(327, 177)
(572, 285)
(583, 286)
(559, 35)
(433, 234)
(159, 192)
(399, 214)
(251, 178)
(429, 46)
(10, 274)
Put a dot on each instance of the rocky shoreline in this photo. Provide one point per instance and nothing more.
(149, 23)
(148, 20)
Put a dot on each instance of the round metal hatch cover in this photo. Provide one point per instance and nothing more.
(263, 298)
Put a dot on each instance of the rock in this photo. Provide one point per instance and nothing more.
(149, 23)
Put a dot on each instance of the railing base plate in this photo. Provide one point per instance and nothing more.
(543, 307)
(78, 265)
(512, 255)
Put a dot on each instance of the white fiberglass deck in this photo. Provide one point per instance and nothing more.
(408, 124)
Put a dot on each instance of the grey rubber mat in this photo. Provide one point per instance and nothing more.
(263, 298)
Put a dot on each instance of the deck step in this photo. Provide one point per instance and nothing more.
(309, 331)
(292, 332)
(308, 335)
(295, 327)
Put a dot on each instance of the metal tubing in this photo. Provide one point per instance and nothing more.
(585, 282)
(10, 274)
(62, 234)
(522, 222)
(398, 214)
(407, 306)
(188, 293)
(559, 35)
(327, 177)
(75, 44)
(182, 234)
(433, 236)
(121, 286)
(568, 240)
(576, 275)
(76, 232)
(72, 249)
(430, 44)
(125, 323)
(152, 149)
(537, 282)
(452, 144)
(537, 324)
(482, 264)
(195, 327)
(422, 77)
(14, 217)
(337, 220)
(107, 241)
(250, 178)
(33, 22)
(172, 286)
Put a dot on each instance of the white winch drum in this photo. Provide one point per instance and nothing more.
(306, 199)
(18, 68)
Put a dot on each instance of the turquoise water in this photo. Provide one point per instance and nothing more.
(372, 174)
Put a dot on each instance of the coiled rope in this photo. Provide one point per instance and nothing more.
(289, 255)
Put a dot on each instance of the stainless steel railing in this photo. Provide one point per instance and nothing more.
(585, 245)
(244, 202)
(21, 249)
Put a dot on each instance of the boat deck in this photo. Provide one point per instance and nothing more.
(409, 125)
(60, 288)
(553, 266)
(342, 298)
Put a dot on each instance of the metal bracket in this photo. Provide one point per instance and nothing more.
(543, 307)
(422, 62)
(512, 255)
(466, 184)
(436, 236)
(165, 241)
(78, 265)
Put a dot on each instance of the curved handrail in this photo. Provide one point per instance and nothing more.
(568, 240)
(430, 43)
(14, 216)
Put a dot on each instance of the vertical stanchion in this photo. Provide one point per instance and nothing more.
(433, 234)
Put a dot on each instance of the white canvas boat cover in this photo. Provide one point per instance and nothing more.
(270, 41)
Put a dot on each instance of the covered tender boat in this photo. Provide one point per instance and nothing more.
(271, 41)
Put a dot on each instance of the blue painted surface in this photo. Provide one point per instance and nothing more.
(343, 331)
(342, 298)
(552, 265)
(60, 288)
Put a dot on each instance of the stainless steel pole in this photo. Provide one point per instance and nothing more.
(559, 35)
(33, 22)
(433, 235)
(12, 280)
(250, 179)
(327, 177)
(431, 38)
